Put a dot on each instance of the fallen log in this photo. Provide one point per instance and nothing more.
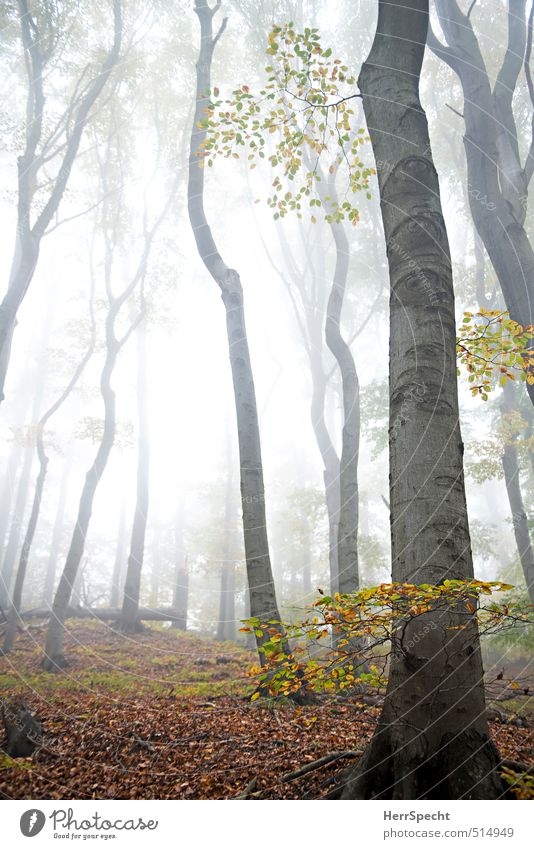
(106, 614)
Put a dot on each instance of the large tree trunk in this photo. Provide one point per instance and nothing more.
(263, 602)
(510, 465)
(432, 738)
(132, 585)
(498, 184)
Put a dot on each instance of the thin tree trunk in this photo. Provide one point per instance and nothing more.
(39, 487)
(259, 572)
(132, 585)
(432, 739)
(347, 532)
(8, 489)
(17, 519)
(180, 596)
(54, 658)
(57, 533)
(29, 236)
(120, 558)
(510, 464)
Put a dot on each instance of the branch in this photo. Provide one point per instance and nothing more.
(313, 765)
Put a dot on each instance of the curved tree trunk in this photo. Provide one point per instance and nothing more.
(263, 602)
(347, 532)
(54, 658)
(29, 235)
(432, 739)
(39, 487)
(498, 184)
(129, 622)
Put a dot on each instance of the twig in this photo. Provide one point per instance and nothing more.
(248, 789)
(313, 765)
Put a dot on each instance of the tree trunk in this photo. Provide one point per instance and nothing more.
(226, 623)
(510, 464)
(29, 236)
(39, 487)
(57, 533)
(181, 573)
(132, 585)
(432, 739)
(498, 185)
(17, 519)
(6, 498)
(347, 531)
(259, 572)
(54, 658)
(120, 558)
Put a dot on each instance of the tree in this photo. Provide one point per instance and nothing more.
(43, 458)
(263, 602)
(111, 175)
(497, 178)
(129, 622)
(432, 738)
(40, 32)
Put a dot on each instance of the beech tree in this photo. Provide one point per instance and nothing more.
(432, 738)
(48, 144)
(498, 178)
(43, 458)
(263, 604)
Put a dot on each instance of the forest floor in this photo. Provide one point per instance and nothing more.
(165, 715)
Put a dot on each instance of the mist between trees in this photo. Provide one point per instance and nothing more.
(266, 343)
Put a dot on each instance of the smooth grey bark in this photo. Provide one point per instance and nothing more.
(498, 180)
(10, 554)
(43, 459)
(510, 465)
(259, 572)
(23, 489)
(57, 533)
(180, 596)
(432, 739)
(310, 315)
(37, 51)
(8, 488)
(226, 624)
(132, 585)
(121, 556)
(347, 531)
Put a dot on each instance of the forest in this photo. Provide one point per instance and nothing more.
(266, 400)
